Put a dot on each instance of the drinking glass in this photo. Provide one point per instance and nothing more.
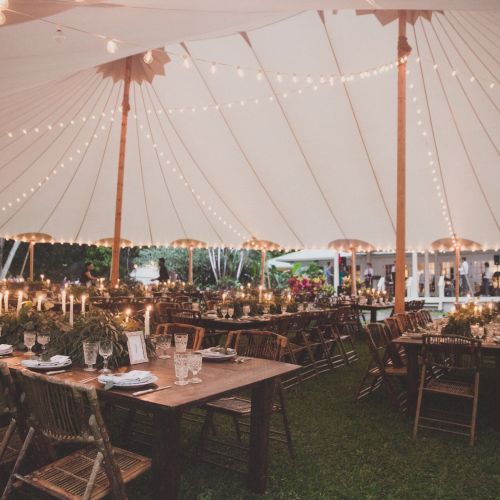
(223, 311)
(181, 340)
(105, 350)
(194, 365)
(90, 350)
(181, 368)
(163, 343)
(266, 309)
(43, 339)
(246, 310)
(29, 342)
(230, 312)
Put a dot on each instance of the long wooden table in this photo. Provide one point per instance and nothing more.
(414, 345)
(219, 379)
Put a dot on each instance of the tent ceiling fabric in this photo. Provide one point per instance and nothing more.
(299, 168)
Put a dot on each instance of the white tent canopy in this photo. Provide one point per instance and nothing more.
(286, 133)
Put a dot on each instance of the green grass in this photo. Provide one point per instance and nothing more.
(347, 449)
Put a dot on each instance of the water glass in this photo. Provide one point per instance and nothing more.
(181, 340)
(223, 311)
(43, 339)
(90, 351)
(181, 368)
(29, 341)
(163, 343)
(246, 310)
(105, 350)
(194, 365)
(230, 312)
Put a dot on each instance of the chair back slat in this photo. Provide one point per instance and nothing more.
(452, 352)
(257, 344)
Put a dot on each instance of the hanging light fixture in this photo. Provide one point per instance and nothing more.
(111, 46)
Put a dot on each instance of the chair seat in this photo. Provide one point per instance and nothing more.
(453, 387)
(235, 406)
(68, 476)
(12, 450)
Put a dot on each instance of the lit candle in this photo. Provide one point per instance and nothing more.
(248, 285)
(146, 321)
(71, 304)
(39, 303)
(223, 297)
(127, 315)
(48, 283)
(6, 300)
(260, 293)
(19, 301)
(84, 298)
(42, 277)
(490, 307)
(63, 300)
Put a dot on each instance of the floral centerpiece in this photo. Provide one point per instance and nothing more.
(304, 288)
(466, 315)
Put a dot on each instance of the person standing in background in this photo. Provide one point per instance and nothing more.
(464, 273)
(164, 275)
(368, 275)
(487, 275)
(329, 273)
(87, 278)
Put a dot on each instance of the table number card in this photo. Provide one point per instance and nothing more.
(137, 348)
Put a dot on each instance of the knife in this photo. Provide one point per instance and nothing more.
(55, 372)
(147, 391)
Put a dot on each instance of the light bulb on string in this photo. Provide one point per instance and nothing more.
(240, 71)
(111, 46)
(186, 62)
(59, 35)
(213, 68)
(148, 57)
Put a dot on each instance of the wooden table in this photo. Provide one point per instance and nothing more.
(413, 346)
(374, 308)
(212, 323)
(219, 379)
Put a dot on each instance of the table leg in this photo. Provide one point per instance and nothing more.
(165, 471)
(497, 391)
(260, 420)
(412, 377)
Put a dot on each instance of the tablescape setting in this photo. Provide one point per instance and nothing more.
(55, 363)
(128, 380)
(218, 353)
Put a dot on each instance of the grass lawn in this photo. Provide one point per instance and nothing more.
(347, 449)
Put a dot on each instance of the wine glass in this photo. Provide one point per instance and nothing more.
(43, 339)
(194, 365)
(163, 343)
(105, 350)
(246, 310)
(29, 342)
(90, 350)
(230, 312)
(223, 311)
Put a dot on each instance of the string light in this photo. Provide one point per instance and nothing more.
(111, 46)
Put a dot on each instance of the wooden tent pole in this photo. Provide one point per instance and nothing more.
(32, 260)
(403, 50)
(263, 268)
(190, 264)
(115, 256)
(354, 290)
(457, 274)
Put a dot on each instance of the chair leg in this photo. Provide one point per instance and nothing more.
(24, 448)
(286, 424)
(8, 435)
(237, 428)
(474, 410)
(419, 401)
(207, 423)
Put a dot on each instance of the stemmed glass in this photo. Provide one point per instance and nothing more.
(43, 339)
(194, 365)
(163, 343)
(246, 310)
(230, 312)
(90, 350)
(223, 311)
(29, 342)
(105, 350)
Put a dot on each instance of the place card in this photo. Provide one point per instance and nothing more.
(137, 351)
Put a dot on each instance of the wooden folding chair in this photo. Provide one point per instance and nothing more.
(257, 344)
(60, 412)
(459, 361)
(381, 372)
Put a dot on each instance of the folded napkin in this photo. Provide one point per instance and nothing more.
(59, 359)
(5, 347)
(131, 377)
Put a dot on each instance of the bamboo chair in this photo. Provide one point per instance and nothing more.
(257, 344)
(459, 360)
(345, 328)
(69, 413)
(381, 373)
(195, 333)
(403, 322)
(328, 353)
(10, 441)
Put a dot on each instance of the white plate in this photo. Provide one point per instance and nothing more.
(217, 356)
(142, 383)
(33, 364)
(8, 351)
